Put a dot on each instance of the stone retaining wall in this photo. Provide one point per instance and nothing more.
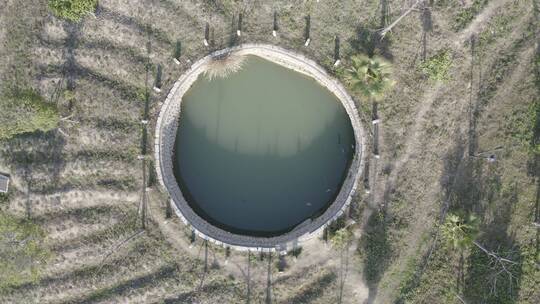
(165, 136)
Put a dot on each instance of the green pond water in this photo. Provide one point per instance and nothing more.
(262, 150)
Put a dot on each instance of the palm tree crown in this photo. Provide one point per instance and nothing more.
(459, 233)
(369, 76)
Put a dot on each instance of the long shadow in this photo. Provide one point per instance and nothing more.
(376, 250)
(534, 162)
(45, 157)
(98, 44)
(126, 90)
(164, 272)
(118, 124)
(368, 41)
(427, 28)
(180, 13)
(383, 21)
(71, 42)
(313, 290)
(133, 23)
(268, 299)
(44, 186)
(83, 273)
(114, 48)
(453, 164)
(82, 215)
(103, 155)
(190, 296)
(101, 236)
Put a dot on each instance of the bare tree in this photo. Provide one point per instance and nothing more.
(413, 7)
(461, 233)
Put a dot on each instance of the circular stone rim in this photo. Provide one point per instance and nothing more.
(165, 137)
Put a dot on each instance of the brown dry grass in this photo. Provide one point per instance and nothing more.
(83, 186)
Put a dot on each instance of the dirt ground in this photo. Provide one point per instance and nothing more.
(83, 183)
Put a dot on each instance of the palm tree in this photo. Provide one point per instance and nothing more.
(460, 234)
(369, 76)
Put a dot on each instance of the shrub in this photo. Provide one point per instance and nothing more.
(72, 10)
(466, 15)
(25, 111)
(436, 67)
(22, 254)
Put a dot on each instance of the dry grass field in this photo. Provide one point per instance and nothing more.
(467, 77)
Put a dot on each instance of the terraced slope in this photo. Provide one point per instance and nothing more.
(82, 183)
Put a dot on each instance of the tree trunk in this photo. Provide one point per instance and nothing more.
(492, 254)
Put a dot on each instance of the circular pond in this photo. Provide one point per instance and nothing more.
(263, 157)
(262, 150)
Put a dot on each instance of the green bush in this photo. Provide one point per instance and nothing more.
(22, 254)
(72, 10)
(467, 14)
(25, 111)
(436, 67)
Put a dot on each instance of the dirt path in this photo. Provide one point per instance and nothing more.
(383, 186)
(426, 102)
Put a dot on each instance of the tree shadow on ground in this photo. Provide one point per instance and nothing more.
(485, 281)
(71, 43)
(40, 153)
(310, 292)
(472, 186)
(427, 28)
(375, 250)
(534, 161)
(369, 42)
(452, 169)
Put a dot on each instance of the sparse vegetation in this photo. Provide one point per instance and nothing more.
(72, 10)
(24, 111)
(74, 193)
(22, 252)
(465, 15)
(437, 66)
